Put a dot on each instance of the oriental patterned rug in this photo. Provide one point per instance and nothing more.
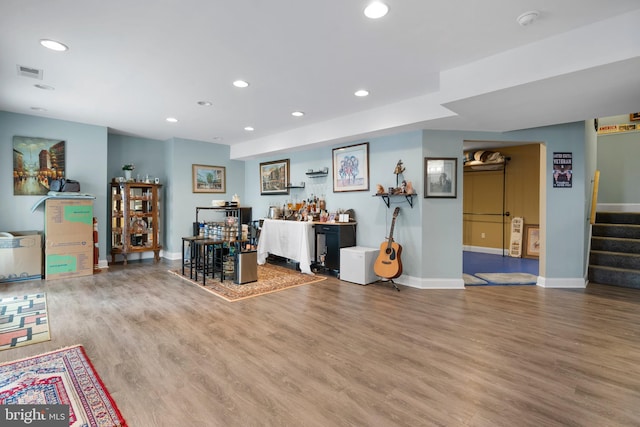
(61, 377)
(23, 321)
(271, 278)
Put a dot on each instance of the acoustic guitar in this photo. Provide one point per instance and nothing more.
(388, 264)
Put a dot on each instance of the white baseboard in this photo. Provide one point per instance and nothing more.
(565, 282)
(618, 207)
(172, 255)
(430, 283)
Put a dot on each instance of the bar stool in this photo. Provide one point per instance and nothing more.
(190, 241)
(207, 252)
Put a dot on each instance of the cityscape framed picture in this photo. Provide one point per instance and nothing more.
(274, 177)
(208, 179)
(440, 177)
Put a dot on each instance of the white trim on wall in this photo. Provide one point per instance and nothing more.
(618, 207)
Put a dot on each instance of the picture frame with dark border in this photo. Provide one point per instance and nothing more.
(208, 179)
(274, 177)
(351, 168)
(441, 177)
(634, 117)
(531, 242)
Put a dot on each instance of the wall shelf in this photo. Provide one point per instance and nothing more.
(318, 174)
(302, 185)
(386, 197)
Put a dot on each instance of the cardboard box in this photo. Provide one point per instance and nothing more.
(69, 238)
(64, 262)
(20, 256)
(64, 217)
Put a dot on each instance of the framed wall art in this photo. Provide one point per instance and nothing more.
(36, 162)
(274, 177)
(209, 179)
(440, 177)
(531, 241)
(634, 117)
(351, 168)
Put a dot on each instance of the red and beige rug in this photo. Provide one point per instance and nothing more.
(271, 278)
(61, 377)
(23, 321)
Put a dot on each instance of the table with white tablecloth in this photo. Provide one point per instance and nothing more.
(289, 239)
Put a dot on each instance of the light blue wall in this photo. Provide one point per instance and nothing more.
(181, 202)
(86, 162)
(566, 208)
(441, 250)
(430, 232)
(372, 215)
(618, 162)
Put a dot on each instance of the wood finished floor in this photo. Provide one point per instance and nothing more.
(340, 354)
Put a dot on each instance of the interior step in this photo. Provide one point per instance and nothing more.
(630, 231)
(614, 276)
(615, 259)
(618, 217)
(615, 244)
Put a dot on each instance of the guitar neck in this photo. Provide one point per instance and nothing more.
(393, 224)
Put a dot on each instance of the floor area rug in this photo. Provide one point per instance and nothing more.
(271, 278)
(23, 321)
(508, 278)
(61, 377)
(470, 279)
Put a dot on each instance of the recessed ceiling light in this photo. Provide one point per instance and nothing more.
(38, 109)
(54, 45)
(298, 113)
(205, 103)
(45, 87)
(376, 10)
(361, 92)
(172, 120)
(528, 18)
(249, 129)
(240, 83)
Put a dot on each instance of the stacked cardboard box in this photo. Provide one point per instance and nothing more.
(69, 238)
(20, 255)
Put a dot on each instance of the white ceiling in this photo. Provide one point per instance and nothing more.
(463, 64)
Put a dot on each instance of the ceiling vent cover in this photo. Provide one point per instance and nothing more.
(34, 73)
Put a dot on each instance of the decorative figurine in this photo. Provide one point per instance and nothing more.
(399, 168)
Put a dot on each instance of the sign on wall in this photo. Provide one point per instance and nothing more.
(562, 170)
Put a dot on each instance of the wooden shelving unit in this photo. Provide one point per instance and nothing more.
(135, 219)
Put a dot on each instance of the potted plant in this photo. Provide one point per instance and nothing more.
(128, 168)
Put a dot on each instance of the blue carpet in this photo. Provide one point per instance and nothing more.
(477, 262)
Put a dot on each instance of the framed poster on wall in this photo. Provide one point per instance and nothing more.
(351, 168)
(562, 170)
(440, 177)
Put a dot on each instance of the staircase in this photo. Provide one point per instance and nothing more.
(615, 249)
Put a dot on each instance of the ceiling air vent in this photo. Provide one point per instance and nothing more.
(34, 73)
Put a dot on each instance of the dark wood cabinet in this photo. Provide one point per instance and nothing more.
(336, 236)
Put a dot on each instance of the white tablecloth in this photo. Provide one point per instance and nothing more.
(288, 239)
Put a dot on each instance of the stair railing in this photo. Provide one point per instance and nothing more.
(594, 197)
(592, 219)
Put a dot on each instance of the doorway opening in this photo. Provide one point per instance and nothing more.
(501, 181)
